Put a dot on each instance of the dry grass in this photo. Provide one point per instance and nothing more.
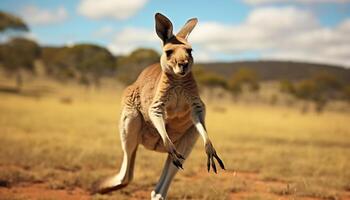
(67, 138)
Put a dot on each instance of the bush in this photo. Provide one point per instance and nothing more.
(84, 62)
(243, 76)
(209, 79)
(19, 54)
(287, 86)
(346, 93)
(320, 88)
(306, 89)
(130, 66)
(327, 81)
(10, 21)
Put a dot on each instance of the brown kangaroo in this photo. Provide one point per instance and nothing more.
(162, 110)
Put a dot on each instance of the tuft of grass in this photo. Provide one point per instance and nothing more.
(303, 190)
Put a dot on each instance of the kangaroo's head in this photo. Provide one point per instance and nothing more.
(176, 57)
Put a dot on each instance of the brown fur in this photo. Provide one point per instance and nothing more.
(163, 111)
(152, 84)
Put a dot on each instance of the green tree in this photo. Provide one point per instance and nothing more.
(287, 86)
(208, 79)
(19, 54)
(307, 90)
(130, 66)
(328, 85)
(93, 62)
(346, 93)
(243, 76)
(9, 21)
(59, 63)
(85, 62)
(327, 81)
(320, 88)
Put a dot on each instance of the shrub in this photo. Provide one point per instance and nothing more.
(209, 79)
(287, 86)
(243, 76)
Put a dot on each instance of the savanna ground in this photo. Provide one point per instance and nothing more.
(57, 139)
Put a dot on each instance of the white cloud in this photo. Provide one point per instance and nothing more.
(105, 31)
(131, 38)
(345, 26)
(31, 36)
(116, 9)
(296, 35)
(263, 2)
(203, 56)
(282, 19)
(39, 16)
(28, 35)
(322, 45)
(261, 30)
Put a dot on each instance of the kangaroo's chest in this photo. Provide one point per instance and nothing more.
(177, 113)
(176, 106)
(177, 119)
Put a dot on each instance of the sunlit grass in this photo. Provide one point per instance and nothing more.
(71, 143)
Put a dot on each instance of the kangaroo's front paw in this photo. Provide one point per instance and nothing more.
(175, 155)
(211, 153)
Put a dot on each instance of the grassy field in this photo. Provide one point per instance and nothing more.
(55, 144)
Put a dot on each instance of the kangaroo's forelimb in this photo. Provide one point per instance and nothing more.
(198, 118)
(156, 114)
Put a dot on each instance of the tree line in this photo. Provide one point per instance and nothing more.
(320, 88)
(88, 63)
(241, 80)
(85, 63)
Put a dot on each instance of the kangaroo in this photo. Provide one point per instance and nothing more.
(163, 111)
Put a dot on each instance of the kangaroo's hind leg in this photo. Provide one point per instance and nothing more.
(129, 127)
(184, 146)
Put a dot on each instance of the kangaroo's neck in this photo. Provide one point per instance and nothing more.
(168, 82)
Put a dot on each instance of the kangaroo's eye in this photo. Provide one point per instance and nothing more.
(168, 53)
(189, 51)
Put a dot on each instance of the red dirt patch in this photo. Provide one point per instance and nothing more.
(255, 188)
(41, 191)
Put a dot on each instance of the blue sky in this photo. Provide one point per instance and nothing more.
(304, 30)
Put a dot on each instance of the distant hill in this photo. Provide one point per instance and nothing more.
(278, 70)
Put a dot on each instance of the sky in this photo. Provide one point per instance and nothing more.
(228, 30)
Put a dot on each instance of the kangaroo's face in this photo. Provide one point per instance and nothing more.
(176, 57)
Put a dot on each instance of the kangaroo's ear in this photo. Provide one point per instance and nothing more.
(164, 27)
(187, 28)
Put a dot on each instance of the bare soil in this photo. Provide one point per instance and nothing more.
(41, 191)
(257, 187)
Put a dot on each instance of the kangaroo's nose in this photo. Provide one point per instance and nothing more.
(184, 66)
